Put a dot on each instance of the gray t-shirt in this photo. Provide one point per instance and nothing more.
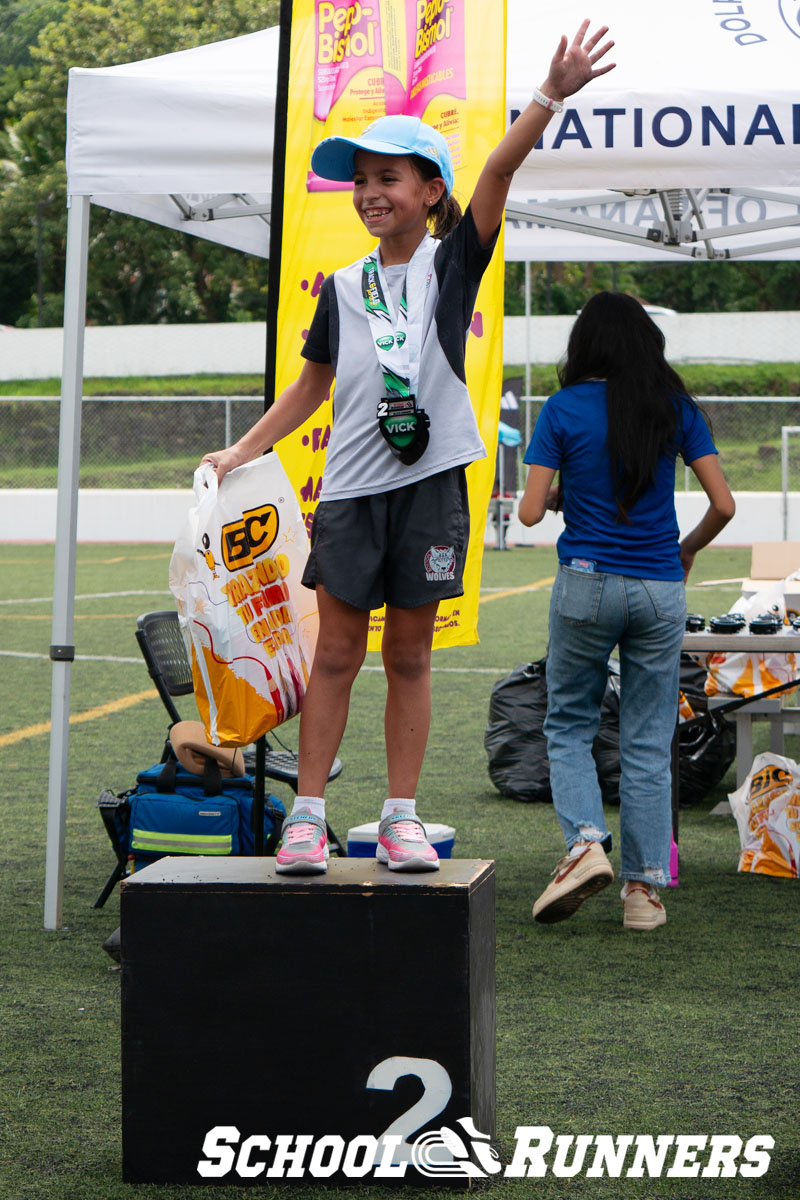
(358, 461)
(396, 278)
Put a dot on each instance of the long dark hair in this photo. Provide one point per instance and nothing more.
(445, 214)
(615, 339)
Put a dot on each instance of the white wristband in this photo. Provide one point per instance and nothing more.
(555, 106)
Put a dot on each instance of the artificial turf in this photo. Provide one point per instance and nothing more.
(689, 1029)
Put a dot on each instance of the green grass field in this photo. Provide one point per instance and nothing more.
(708, 379)
(691, 1029)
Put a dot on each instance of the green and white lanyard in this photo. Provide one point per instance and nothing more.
(397, 338)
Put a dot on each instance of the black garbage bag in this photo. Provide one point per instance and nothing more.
(707, 749)
(706, 744)
(515, 741)
(605, 747)
(693, 680)
(517, 748)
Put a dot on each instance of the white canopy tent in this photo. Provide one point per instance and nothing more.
(689, 148)
(699, 116)
(184, 140)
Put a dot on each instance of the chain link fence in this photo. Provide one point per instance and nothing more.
(156, 442)
(126, 442)
(746, 430)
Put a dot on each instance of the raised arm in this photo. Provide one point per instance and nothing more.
(572, 67)
(294, 406)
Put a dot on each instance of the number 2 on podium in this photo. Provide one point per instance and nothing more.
(434, 1099)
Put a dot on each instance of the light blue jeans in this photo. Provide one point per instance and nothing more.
(590, 613)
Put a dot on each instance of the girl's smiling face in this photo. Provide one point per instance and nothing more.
(390, 196)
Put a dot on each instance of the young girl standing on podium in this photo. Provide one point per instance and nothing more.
(392, 523)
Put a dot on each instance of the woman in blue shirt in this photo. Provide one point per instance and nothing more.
(614, 431)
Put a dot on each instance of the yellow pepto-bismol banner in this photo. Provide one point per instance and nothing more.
(443, 61)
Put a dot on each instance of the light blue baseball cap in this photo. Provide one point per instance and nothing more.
(334, 156)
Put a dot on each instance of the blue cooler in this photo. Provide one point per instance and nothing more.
(363, 839)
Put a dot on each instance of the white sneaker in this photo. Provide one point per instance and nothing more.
(576, 878)
(641, 906)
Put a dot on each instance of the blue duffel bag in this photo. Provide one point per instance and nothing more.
(173, 811)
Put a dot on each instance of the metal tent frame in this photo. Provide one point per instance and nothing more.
(685, 229)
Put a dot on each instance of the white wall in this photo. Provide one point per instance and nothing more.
(235, 348)
(691, 337)
(137, 515)
(239, 347)
(759, 518)
(120, 515)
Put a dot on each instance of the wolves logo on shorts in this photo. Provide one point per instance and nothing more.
(440, 563)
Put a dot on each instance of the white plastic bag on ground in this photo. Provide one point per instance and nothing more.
(767, 812)
(250, 625)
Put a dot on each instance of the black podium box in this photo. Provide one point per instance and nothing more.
(275, 1026)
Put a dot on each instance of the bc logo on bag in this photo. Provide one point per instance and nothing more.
(248, 538)
(250, 625)
(767, 812)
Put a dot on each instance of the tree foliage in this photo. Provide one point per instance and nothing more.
(20, 24)
(138, 273)
(563, 288)
(141, 273)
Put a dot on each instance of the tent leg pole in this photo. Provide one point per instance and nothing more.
(61, 649)
(528, 421)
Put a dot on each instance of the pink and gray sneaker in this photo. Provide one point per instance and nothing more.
(403, 844)
(304, 844)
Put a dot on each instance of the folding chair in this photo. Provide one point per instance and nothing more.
(164, 652)
(108, 804)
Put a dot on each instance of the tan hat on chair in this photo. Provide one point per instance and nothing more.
(188, 739)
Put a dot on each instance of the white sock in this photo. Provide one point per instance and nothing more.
(395, 804)
(314, 804)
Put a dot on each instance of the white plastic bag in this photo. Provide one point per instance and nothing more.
(767, 812)
(250, 625)
(739, 673)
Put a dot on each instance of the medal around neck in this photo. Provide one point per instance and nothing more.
(397, 339)
(404, 427)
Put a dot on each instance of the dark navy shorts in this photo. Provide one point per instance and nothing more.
(404, 547)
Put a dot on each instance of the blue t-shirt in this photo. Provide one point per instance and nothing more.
(570, 435)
